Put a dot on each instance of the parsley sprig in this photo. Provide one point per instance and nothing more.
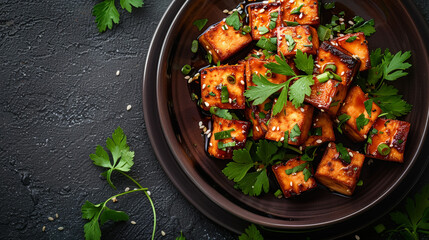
(295, 92)
(251, 233)
(386, 67)
(122, 161)
(106, 12)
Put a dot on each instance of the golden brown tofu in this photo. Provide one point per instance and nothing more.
(229, 77)
(357, 127)
(301, 11)
(255, 65)
(337, 174)
(346, 65)
(296, 121)
(224, 146)
(259, 115)
(223, 41)
(321, 131)
(290, 39)
(327, 96)
(355, 44)
(264, 18)
(393, 134)
(294, 183)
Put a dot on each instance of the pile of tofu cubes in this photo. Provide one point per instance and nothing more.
(316, 117)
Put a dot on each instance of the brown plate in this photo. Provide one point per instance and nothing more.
(172, 122)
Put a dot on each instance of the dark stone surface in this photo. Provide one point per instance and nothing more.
(60, 98)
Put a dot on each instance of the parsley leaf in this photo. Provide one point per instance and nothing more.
(393, 106)
(251, 233)
(265, 151)
(303, 62)
(341, 120)
(367, 28)
(281, 67)
(233, 20)
(253, 183)
(106, 12)
(181, 237)
(223, 113)
(200, 23)
(241, 164)
(262, 90)
(361, 121)
(281, 101)
(266, 44)
(105, 15)
(295, 132)
(121, 154)
(344, 153)
(394, 68)
(128, 4)
(368, 106)
(299, 89)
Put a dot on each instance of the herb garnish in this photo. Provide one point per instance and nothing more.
(343, 152)
(106, 12)
(361, 121)
(200, 23)
(234, 21)
(341, 120)
(251, 233)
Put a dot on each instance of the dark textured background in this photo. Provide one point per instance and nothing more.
(60, 97)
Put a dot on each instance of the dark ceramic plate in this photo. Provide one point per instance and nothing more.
(172, 122)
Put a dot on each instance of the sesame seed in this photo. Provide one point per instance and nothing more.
(320, 105)
(162, 232)
(229, 100)
(114, 199)
(133, 222)
(274, 128)
(317, 120)
(242, 82)
(200, 123)
(60, 228)
(329, 145)
(187, 77)
(318, 141)
(128, 107)
(118, 72)
(291, 184)
(209, 135)
(204, 86)
(278, 128)
(204, 129)
(148, 193)
(322, 110)
(291, 1)
(351, 22)
(300, 15)
(211, 144)
(302, 109)
(300, 148)
(317, 65)
(207, 104)
(364, 136)
(127, 189)
(230, 12)
(342, 73)
(314, 124)
(50, 218)
(56, 215)
(43, 228)
(357, 237)
(351, 154)
(257, 129)
(341, 19)
(262, 10)
(224, 11)
(282, 139)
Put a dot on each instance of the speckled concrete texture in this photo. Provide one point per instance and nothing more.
(60, 97)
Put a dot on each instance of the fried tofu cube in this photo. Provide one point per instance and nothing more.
(301, 11)
(296, 121)
(336, 174)
(259, 115)
(294, 183)
(393, 134)
(355, 44)
(233, 137)
(327, 96)
(359, 124)
(223, 41)
(264, 18)
(226, 77)
(290, 39)
(256, 66)
(346, 65)
(321, 131)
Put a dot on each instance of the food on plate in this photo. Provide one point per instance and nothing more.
(306, 96)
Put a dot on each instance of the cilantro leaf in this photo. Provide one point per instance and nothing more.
(233, 20)
(344, 153)
(394, 106)
(367, 28)
(90, 210)
(303, 62)
(281, 67)
(113, 215)
(262, 90)
(295, 132)
(128, 4)
(222, 113)
(242, 163)
(282, 100)
(253, 183)
(265, 151)
(92, 230)
(105, 14)
(200, 23)
(393, 68)
(368, 106)
(385, 90)
(266, 44)
(343, 118)
(251, 233)
(300, 89)
(122, 156)
(307, 174)
(361, 121)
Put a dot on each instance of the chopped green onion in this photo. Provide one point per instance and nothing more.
(262, 115)
(222, 146)
(194, 47)
(186, 69)
(383, 149)
(328, 6)
(297, 10)
(267, 44)
(359, 183)
(291, 23)
(330, 67)
(224, 95)
(351, 39)
(231, 79)
(308, 45)
(209, 57)
(268, 74)
(194, 96)
(212, 94)
(224, 134)
(324, 77)
(247, 29)
(263, 30)
(324, 33)
(291, 42)
(278, 193)
(274, 14)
